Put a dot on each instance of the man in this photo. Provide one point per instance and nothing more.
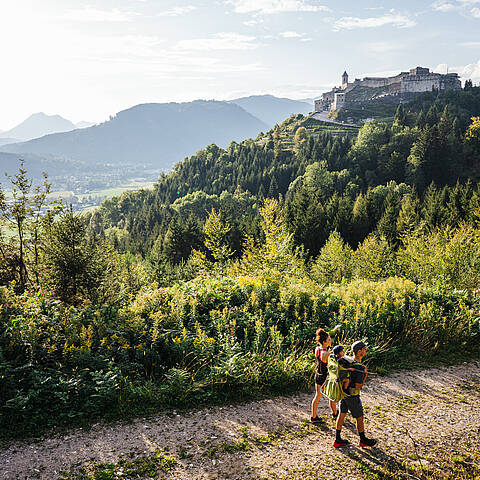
(353, 401)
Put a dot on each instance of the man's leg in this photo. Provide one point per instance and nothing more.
(340, 420)
(339, 441)
(360, 425)
(356, 407)
(364, 441)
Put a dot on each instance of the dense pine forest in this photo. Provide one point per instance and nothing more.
(210, 286)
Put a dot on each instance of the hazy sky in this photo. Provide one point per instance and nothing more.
(86, 60)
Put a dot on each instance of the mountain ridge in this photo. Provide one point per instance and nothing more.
(156, 133)
(270, 109)
(38, 125)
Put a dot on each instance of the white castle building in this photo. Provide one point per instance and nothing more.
(401, 87)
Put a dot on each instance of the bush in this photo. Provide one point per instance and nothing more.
(334, 262)
(448, 257)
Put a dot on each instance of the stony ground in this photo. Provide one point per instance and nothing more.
(424, 421)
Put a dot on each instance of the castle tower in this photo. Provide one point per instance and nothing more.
(344, 80)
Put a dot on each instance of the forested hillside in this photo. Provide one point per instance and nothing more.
(210, 286)
(422, 168)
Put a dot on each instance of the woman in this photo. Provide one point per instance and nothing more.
(321, 357)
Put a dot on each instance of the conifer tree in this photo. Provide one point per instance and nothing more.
(456, 129)
(421, 121)
(400, 119)
(432, 116)
(72, 260)
(374, 258)
(426, 162)
(361, 221)
(387, 226)
(261, 193)
(457, 204)
(273, 189)
(433, 209)
(216, 230)
(334, 263)
(300, 139)
(307, 221)
(182, 236)
(409, 215)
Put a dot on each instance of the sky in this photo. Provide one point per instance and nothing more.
(87, 60)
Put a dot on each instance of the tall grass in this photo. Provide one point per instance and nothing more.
(240, 328)
(207, 340)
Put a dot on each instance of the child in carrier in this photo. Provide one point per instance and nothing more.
(344, 373)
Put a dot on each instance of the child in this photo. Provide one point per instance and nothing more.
(344, 362)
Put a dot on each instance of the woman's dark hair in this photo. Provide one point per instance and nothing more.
(321, 335)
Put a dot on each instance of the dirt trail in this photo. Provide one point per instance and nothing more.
(415, 415)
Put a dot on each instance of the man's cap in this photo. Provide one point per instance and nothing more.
(337, 349)
(358, 345)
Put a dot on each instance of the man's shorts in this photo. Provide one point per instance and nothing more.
(352, 403)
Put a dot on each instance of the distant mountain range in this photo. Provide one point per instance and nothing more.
(38, 125)
(159, 134)
(84, 124)
(272, 110)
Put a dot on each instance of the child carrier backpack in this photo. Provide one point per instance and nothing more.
(332, 388)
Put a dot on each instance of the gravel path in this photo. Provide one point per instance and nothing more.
(415, 415)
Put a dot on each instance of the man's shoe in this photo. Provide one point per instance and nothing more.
(335, 415)
(367, 442)
(340, 443)
(316, 420)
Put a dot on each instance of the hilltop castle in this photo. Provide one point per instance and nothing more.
(397, 89)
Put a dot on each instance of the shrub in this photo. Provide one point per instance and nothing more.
(334, 262)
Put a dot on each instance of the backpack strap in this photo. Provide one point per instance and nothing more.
(355, 391)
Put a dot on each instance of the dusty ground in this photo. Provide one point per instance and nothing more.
(416, 416)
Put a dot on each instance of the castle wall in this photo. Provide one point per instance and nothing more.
(373, 82)
(338, 101)
(326, 101)
(420, 83)
(420, 71)
(450, 82)
(319, 105)
(425, 83)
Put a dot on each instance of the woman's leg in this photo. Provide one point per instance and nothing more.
(333, 406)
(316, 399)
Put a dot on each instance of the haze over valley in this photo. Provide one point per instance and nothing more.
(134, 146)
